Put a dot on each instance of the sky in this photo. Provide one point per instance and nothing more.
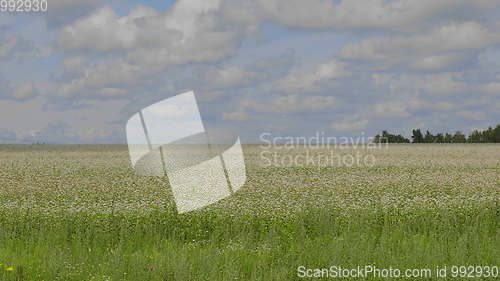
(78, 72)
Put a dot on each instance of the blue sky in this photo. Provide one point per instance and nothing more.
(78, 72)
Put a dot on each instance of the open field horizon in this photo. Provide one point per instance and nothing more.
(79, 212)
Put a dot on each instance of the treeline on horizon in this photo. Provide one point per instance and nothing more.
(490, 135)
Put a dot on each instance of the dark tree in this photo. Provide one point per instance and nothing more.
(428, 138)
(439, 138)
(448, 138)
(490, 135)
(458, 137)
(387, 137)
(496, 134)
(417, 136)
(475, 137)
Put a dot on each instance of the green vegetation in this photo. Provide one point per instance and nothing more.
(490, 135)
(81, 213)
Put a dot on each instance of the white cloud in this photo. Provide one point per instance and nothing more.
(435, 84)
(391, 109)
(380, 79)
(64, 11)
(233, 76)
(419, 104)
(310, 103)
(455, 36)
(282, 105)
(441, 47)
(147, 42)
(104, 30)
(396, 14)
(97, 80)
(492, 88)
(302, 79)
(24, 91)
(18, 48)
(350, 125)
(7, 47)
(473, 115)
(296, 103)
(188, 32)
(439, 61)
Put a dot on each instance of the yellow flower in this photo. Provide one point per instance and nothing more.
(10, 268)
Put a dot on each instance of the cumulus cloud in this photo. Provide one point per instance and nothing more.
(64, 11)
(289, 104)
(188, 32)
(455, 36)
(303, 79)
(492, 88)
(365, 14)
(295, 103)
(473, 115)
(419, 104)
(391, 109)
(253, 74)
(434, 84)
(19, 93)
(234, 76)
(440, 61)
(24, 91)
(18, 48)
(106, 79)
(7, 47)
(349, 124)
(145, 43)
(442, 47)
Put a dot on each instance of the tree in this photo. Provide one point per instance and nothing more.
(417, 136)
(439, 138)
(475, 137)
(387, 137)
(458, 137)
(490, 135)
(428, 138)
(448, 138)
(496, 134)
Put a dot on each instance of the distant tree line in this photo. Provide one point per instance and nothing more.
(490, 135)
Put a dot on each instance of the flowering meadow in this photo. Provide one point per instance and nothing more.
(70, 212)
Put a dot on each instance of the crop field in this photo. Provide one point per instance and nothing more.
(81, 213)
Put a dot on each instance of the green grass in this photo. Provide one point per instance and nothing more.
(81, 213)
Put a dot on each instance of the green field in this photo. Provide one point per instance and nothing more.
(81, 213)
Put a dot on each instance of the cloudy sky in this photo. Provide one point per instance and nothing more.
(78, 72)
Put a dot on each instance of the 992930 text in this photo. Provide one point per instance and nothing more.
(23, 6)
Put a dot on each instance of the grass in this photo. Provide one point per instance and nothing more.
(81, 213)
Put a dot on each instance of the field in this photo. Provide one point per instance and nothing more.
(81, 213)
